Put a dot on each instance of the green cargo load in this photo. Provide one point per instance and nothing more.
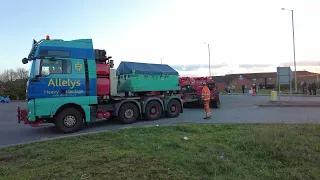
(143, 77)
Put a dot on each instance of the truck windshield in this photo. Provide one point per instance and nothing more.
(30, 68)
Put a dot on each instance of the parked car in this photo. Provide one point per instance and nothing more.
(4, 100)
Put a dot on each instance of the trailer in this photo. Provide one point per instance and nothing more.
(191, 91)
(72, 84)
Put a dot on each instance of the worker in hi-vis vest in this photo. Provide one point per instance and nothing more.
(206, 99)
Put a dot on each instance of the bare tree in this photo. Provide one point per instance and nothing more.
(21, 73)
(5, 76)
(2, 78)
(12, 75)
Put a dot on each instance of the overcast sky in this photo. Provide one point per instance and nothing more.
(244, 36)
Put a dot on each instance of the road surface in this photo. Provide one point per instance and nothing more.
(235, 109)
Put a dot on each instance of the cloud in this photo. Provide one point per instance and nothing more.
(254, 65)
(195, 67)
(302, 63)
(299, 63)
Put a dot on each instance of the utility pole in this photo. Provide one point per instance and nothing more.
(161, 60)
(294, 50)
(209, 58)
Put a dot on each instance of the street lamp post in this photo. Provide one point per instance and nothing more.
(294, 50)
(209, 58)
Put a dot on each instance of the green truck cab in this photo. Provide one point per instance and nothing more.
(71, 84)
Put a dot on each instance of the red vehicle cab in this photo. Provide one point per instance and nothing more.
(191, 90)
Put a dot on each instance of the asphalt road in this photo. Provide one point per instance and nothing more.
(235, 109)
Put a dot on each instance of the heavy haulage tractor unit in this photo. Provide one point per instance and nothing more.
(192, 88)
(71, 84)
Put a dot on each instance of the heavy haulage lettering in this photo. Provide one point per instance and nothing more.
(75, 91)
(51, 92)
(63, 83)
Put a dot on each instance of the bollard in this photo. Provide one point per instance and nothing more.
(274, 96)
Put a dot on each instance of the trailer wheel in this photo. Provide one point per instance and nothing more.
(153, 110)
(69, 120)
(216, 103)
(128, 113)
(173, 108)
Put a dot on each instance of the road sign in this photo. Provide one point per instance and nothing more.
(284, 75)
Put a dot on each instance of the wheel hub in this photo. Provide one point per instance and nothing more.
(69, 121)
(153, 110)
(173, 108)
(128, 114)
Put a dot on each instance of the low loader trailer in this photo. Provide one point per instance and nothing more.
(71, 84)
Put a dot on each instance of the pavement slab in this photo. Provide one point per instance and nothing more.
(290, 104)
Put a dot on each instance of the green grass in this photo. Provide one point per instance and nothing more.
(211, 152)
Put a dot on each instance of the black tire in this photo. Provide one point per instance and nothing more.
(75, 118)
(216, 103)
(128, 113)
(173, 108)
(3, 101)
(153, 110)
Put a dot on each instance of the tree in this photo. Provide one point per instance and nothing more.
(5, 76)
(13, 83)
(21, 73)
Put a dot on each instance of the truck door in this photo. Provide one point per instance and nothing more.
(51, 85)
(76, 77)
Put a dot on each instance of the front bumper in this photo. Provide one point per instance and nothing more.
(22, 115)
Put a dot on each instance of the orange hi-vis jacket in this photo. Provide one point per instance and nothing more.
(205, 93)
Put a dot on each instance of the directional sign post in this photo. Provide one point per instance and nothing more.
(284, 76)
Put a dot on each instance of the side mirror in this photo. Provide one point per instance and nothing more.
(24, 61)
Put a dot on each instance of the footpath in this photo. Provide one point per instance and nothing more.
(293, 95)
(290, 104)
(296, 100)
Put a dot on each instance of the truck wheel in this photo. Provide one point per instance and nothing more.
(153, 110)
(2, 101)
(173, 108)
(69, 120)
(128, 113)
(216, 103)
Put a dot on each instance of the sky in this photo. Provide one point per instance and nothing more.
(244, 36)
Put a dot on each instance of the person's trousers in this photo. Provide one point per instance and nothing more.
(207, 108)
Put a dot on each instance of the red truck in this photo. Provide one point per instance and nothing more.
(191, 90)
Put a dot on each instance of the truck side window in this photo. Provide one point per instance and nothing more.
(67, 67)
(55, 67)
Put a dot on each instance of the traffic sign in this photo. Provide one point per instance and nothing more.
(284, 75)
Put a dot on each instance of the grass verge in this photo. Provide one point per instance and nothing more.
(211, 152)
